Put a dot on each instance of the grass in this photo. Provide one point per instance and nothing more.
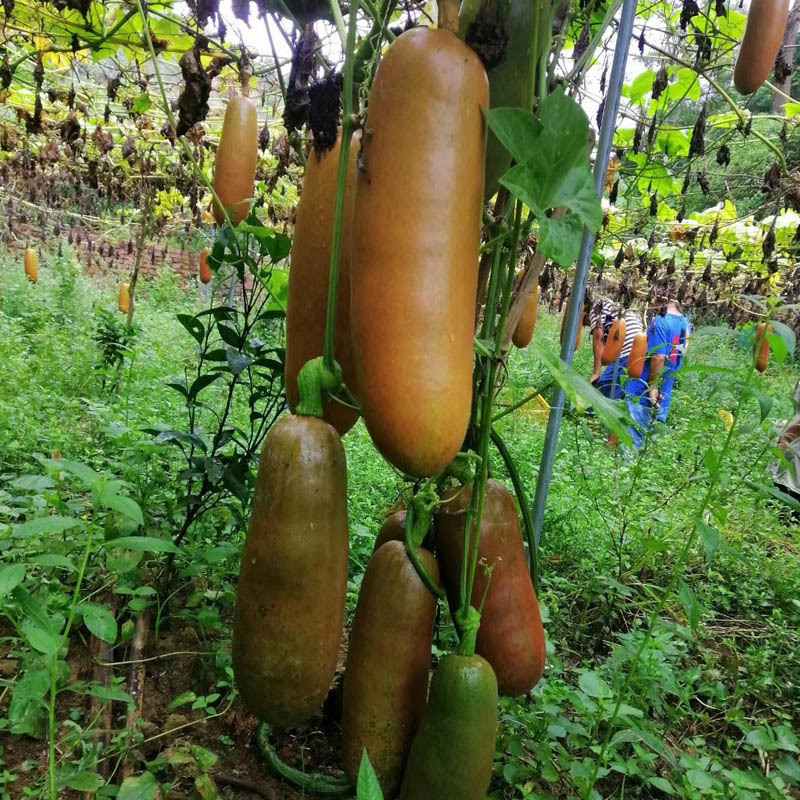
(710, 709)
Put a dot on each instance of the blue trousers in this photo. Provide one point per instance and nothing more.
(641, 409)
(607, 385)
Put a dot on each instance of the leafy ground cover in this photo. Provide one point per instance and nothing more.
(710, 711)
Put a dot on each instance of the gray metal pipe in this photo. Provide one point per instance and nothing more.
(575, 305)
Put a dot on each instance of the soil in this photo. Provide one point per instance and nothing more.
(313, 747)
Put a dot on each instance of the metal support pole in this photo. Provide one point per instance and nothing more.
(575, 305)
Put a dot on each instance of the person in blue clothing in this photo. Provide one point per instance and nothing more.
(650, 396)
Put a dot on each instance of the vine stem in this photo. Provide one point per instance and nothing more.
(475, 512)
(328, 354)
(51, 710)
(524, 505)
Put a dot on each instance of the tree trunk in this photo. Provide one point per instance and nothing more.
(784, 65)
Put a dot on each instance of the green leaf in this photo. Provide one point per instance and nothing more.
(552, 169)
(111, 694)
(42, 640)
(141, 787)
(181, 700)
(690, 604)
(561, 238)
(142, 103)
(758, 737)
(710, 538)
(583, 395)
(34, 483)
(80, 471)
(764, 404)
(641, 86)
(663, 784)
(787, 334)
(700, 779)
(100, 621)
(84, 781)
(46, 526)
(143, 544)
(593, 685)
(789, 767)
(53, 560)
(10, 577)
(368, 786)
(201, 383)
(124, 505)
(745, 780)
(517, 130)
(194, 326)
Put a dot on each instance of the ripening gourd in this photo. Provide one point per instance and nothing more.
(580, 328)
(763, 36)
(761, 346)
(124, 299)
(613, 346)
(237, 157)
(414, 274)
(32, 265)
(206, 275)
(523, 333)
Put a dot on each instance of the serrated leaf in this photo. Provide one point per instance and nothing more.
(100, 621)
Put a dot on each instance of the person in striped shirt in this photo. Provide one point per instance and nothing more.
(602, 316)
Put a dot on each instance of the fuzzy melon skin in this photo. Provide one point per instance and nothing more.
(237, 158)
(453, 752)
(511, 636)
(124, 298)
(206, 276)
(761, 346)
(32, 265)
(388, 659)
(392, 530)
(417, 226)
(293, 580)
(307, 306)
(763, 36)
(523, 333)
